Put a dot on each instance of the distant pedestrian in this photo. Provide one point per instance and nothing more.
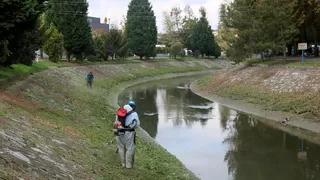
(89, 79)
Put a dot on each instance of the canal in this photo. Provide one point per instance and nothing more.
(216, 142)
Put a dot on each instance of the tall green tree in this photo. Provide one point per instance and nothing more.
(70, 17)
(186, 32)
(202, 38)
(258, 27)
(189, 23)
(178, 26)
(53, 43)
(141, 29)
(307, 14)
(20, 32)
(113, 42)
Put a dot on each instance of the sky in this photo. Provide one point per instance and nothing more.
(116, 9)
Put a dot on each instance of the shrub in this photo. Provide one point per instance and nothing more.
(176, 49)
(54, 44)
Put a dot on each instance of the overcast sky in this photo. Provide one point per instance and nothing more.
(115, 9)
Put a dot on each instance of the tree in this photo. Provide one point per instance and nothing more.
(20, 32)
(202, 38)
(216, 50)
(105, 20)
(71, 20)
(176, 49)
(307, 14)
(54, 43)
(188, 13)
(123, 23)
(257, 27)
(177, 18)
(173, 23)
(141, 29)
(99, 41)
(113, 42)
(186, 32)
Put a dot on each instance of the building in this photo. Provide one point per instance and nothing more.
(96, 24)
(215, 33)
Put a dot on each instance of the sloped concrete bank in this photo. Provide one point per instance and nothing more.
(270, 93)
(53, 127)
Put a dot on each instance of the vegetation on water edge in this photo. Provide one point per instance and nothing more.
(21, 69)
(283, 62)
(82, 118)
(305, 103)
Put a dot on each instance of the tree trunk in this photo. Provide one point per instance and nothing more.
(41, 53)
(315, 37)
(141, 57)
(285, 54)
(316, 51)
(305, 35)
(202, 55)
(295, 51)
(68, 56)
(289, 50)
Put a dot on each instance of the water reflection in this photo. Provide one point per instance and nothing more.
(211, 139)
(259, 152)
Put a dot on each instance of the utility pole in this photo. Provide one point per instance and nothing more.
(109, 23)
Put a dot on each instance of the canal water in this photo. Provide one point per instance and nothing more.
(218, 143)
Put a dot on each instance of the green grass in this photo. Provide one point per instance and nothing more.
(282, 62)
(303, 103)
(165, 59)
(315, 64)
(21, 69)
(92, 117)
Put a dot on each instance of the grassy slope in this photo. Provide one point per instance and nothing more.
(282, 62)
(23, 69)
(58, 105)
(305, 103)
(20, 69)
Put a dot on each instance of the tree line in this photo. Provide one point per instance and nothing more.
(184, 30)
(61, 28)
(268, 27)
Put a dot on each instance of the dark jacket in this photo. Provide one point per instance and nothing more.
(90, 77)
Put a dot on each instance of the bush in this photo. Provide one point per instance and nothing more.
(99, 40)
(182, 53)
(217, 50)
(154, 53)
(176, 49)
(161, 50)
(92, 58)
(54, 44)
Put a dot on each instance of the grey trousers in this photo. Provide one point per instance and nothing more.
(89, 83)
(126, 145)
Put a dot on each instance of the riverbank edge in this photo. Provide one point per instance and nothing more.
(173, 73)
(141, 133)
(297, 126)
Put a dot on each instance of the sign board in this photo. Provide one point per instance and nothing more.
(302, 46)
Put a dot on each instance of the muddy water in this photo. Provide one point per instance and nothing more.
(218, 143)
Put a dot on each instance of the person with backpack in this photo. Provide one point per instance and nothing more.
(127, 120)
(89, 79)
